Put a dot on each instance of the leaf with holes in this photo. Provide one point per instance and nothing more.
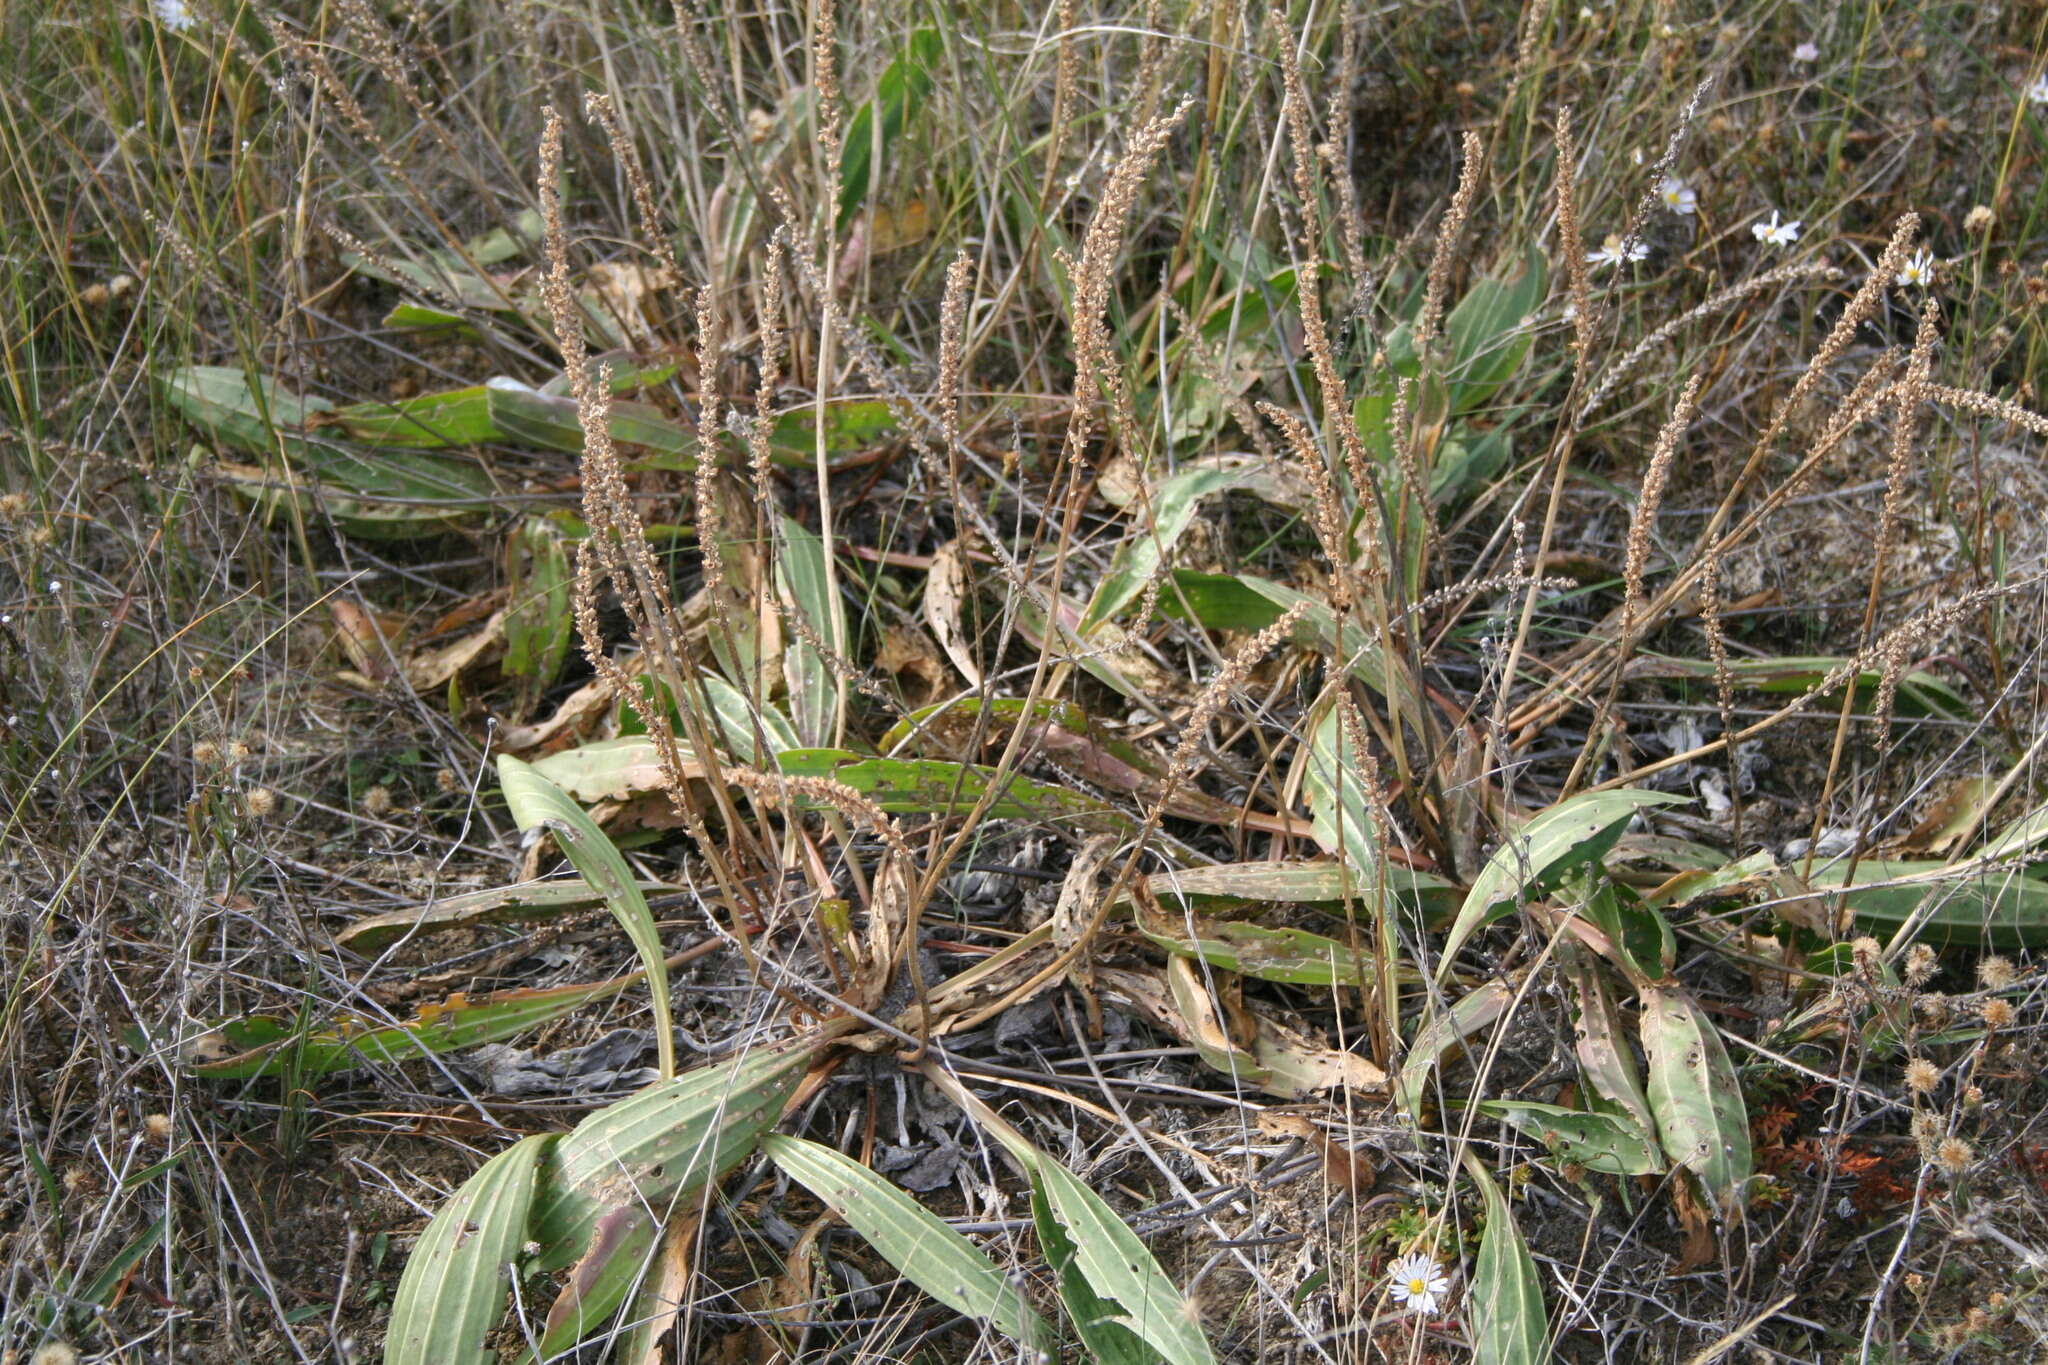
(1607, 1143)
(1694, 1093)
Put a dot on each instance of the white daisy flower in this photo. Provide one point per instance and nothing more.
(1776, 232)
(175, 15)
(1678, 196)
(1614, 251)
(1806, 52)
(1419, 1283)
(1918, 272)
(2037, 93)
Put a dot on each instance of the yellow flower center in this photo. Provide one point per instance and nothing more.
(1417, 1288)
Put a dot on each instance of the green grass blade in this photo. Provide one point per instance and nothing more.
(910, 1237)
(537, 803)
(453, 1289)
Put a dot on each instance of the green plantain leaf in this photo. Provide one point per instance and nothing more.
(537, 803)
(806, 592)
(265, 1046)
(1509, 1324)
(1527, 866)
(1449, 1028)
(930, 1254)
(1127, 1289)
(1694, 1093)
(1607, 1143)
(926, 786)
(1173, 505)
(1338, 801)
(453, 1289)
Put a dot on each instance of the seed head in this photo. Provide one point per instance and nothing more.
(1926, 1133)
(157, 1128)
(206, 751)
(1922, 1075)
(54, 1353)
(1979, 220)
(1996, 973)
(1997, 1013)
(261, 802)
(377, 802)
(13, 506)
(1954, 1155)
(1921, 966)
